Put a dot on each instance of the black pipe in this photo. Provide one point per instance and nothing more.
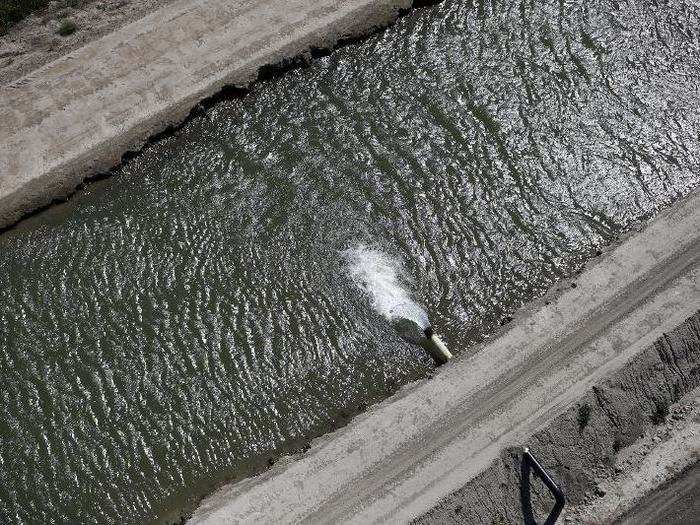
(529, 461)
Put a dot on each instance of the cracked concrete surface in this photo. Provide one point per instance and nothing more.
(75, 117)
(409, 455)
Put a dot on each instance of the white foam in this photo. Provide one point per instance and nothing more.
(384, 279)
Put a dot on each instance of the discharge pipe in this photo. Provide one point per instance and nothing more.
(435, 347)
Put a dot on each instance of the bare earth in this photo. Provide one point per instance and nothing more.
(404, 457)
(34, 42)
(677, 503)
(657, 477)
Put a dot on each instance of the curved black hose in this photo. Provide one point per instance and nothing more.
(529, 462)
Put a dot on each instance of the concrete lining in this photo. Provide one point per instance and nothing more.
(400, 459)
(75, 117)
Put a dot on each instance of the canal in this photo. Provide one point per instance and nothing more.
(196, 315)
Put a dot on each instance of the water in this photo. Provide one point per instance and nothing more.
(195, 316)
(384, 279)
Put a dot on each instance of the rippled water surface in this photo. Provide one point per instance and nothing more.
(194, 316)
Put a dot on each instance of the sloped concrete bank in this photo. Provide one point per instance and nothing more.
(623, 342)
(76, 117)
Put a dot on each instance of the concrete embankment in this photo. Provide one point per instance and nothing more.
(35, 41)
(75, 117)
(624, 342)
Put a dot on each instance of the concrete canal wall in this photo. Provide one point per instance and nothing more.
(75, 117)
(624, 341)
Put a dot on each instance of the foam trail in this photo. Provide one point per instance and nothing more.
(383, 278)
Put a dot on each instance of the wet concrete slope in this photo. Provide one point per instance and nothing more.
(404, 457)
(75, 117)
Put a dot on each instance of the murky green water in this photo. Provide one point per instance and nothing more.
(193, 315)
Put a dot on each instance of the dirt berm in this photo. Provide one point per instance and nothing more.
(75, 117)
(623, 341)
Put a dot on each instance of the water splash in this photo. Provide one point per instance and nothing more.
(383, 278)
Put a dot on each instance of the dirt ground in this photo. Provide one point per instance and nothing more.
(677, 503)
(655, 480)
(34, 41)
